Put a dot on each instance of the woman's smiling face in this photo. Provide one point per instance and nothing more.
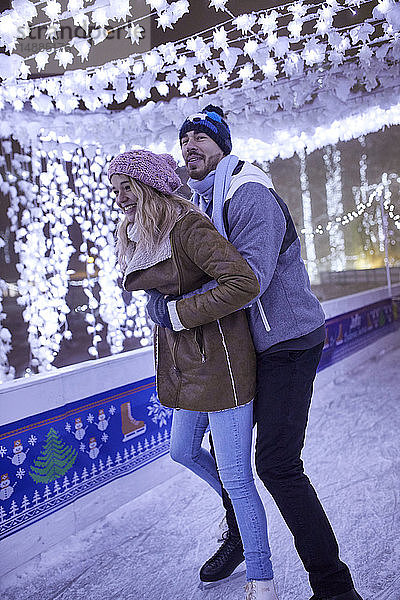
(125, 199)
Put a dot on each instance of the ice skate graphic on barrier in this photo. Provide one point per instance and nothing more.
(129, 425)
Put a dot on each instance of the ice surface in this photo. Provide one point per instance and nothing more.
(152, 548)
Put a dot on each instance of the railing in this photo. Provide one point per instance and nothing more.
(66, 434)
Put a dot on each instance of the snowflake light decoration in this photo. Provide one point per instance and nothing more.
(313, 52)
(41, 58)
(218, 4)
(52, 9)
(268, 22)
(245, 22)
(64, 57)
(220, 38)
(135, 33)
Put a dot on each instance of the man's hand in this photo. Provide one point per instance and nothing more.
(157, 308)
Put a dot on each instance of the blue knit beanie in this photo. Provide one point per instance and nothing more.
(210, 121)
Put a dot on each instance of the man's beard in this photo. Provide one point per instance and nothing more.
(210, 163)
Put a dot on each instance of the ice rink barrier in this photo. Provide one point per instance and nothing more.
(66, 434)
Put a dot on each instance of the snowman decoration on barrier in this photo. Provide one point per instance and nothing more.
(103, 422)
(19, 454)
(80, 430)
(6, 489)
(93, 449)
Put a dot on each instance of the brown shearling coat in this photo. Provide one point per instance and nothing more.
(210, 365)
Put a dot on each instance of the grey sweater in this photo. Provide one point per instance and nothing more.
(259, 225)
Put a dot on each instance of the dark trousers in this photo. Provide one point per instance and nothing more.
(284, 389)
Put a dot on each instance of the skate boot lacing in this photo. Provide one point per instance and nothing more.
(219, 558)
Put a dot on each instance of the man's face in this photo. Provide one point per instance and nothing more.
(200, 153)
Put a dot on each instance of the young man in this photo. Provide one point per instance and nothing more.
(287, 325)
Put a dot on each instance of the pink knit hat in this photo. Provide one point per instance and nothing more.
(156, 170)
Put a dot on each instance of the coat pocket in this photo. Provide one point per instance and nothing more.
(199, 341)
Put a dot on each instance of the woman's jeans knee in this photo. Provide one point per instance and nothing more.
(232, 435)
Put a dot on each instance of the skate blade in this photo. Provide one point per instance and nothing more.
(238, 572)
(133, 434)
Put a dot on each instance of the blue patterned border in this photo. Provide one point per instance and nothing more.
(51, 459)
(352, 331)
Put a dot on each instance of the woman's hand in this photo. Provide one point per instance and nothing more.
(157, 308)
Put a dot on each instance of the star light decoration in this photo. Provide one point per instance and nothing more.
(82, 20)
(268, 22)
(99, 35)
(74, 6)
(220, 39)
(82, 46)
(52, 9)
(313, 52)
(135, 33)
(120, 9)
(64, 57)
(100, 17)
(245, 22)
(168, 14)
(52, 31)
(217, 59)
(218, 4)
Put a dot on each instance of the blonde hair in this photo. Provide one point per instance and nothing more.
(156, 215)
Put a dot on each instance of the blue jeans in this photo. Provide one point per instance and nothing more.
(284, 388)
(232, 433)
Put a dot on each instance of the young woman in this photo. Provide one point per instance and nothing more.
(205, 360)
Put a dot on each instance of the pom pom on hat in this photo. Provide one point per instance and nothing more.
(212, 122)
(155, 170)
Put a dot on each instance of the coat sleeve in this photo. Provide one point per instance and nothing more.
(211, 252)
(257, 228)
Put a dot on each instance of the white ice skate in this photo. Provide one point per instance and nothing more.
(260, 590)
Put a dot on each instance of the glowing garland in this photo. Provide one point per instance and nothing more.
(6, 371)
(334, 207)
(44, 249)
(42, 208)
(378, 189)
(169, 66)
(307, 219)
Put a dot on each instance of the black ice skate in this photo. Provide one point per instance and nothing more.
(130, 426)
(225, 564)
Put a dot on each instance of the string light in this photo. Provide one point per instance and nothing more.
(43, 207)
(334, 205)
(307, 220)
(252, 25)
